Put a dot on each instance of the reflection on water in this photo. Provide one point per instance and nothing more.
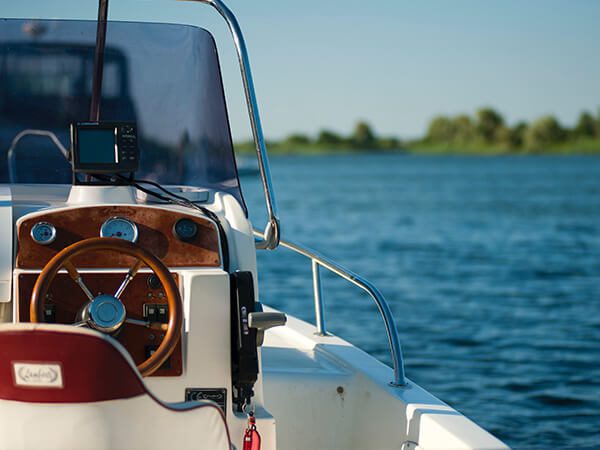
(491, 267)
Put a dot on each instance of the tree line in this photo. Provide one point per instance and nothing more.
(362, 138)
(489, 129)
(485, 132)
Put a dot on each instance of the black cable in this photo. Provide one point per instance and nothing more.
(176, 199)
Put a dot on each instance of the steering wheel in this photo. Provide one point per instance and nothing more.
(106, 313)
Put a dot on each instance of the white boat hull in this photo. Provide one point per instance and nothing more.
(327, 394)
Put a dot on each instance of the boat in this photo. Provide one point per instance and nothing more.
(129, 298)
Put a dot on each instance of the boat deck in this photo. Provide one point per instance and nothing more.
(327, 389)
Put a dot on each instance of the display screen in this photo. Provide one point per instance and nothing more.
(97, 146)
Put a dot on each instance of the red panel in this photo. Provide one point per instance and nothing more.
(93, 369)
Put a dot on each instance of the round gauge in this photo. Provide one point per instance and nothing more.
(185, 229)
(118, 227)
(43, 233)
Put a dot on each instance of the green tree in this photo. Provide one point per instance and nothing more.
(586, 126)
(512, 138)
(441, 129)
(488, 123)
(517, 134)
(544, 132)
(463, 129)
(389, 143)
(330, 138)
(363, 137)
(297, 140)
(504, 137)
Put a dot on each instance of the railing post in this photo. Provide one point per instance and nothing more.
(318, 297)
(319, 260)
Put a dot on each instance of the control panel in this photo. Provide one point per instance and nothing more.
(178, 239)
(144, 300)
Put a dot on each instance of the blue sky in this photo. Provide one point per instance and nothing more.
(395, 63)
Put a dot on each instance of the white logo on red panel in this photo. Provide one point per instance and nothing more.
(37, 374)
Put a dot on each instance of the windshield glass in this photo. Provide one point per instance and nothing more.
(164, 77)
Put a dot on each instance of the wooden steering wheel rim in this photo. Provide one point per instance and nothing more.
(173, 333)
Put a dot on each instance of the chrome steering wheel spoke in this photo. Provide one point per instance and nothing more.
(76, 277)
(130, 275)
(158, 326)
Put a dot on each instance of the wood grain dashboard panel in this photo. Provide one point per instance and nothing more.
(155, 228)
(68, 299)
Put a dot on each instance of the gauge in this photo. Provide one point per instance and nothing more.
(43, 233)
(121, 228)
(185, 229)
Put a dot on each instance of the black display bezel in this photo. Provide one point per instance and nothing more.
(122, 165)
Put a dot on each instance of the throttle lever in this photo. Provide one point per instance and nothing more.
(262, 321)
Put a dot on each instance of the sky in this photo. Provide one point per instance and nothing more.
(394, 63)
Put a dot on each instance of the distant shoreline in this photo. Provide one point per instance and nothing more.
(281, 148)
(486, 133)
(433, 153)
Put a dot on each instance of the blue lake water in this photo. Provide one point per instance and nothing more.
(491, 267)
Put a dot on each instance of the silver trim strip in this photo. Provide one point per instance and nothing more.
(269, 238)
(382, 305)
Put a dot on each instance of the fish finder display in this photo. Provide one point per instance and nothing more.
(97, 146)
(104, 147)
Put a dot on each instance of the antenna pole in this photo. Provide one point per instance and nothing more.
(99, 60)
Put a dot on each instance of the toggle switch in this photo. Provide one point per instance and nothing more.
(162, 314)
(150, 312)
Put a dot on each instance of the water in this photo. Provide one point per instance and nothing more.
(491, 267)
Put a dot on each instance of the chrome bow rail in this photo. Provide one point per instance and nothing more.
(318, 261)
(269, 238)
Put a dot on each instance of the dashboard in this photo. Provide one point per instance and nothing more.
(167, 234)
(178, 239)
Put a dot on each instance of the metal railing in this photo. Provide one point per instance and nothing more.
(12, 170)
(269, 238)
(318, 261)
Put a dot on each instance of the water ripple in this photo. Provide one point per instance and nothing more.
(491, 267)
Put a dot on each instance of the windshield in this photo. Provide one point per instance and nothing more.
(164, 77)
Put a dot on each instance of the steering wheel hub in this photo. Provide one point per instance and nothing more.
(105, 313)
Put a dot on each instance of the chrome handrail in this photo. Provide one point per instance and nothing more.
(12, 175)
(269, 238)
(318, 261)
